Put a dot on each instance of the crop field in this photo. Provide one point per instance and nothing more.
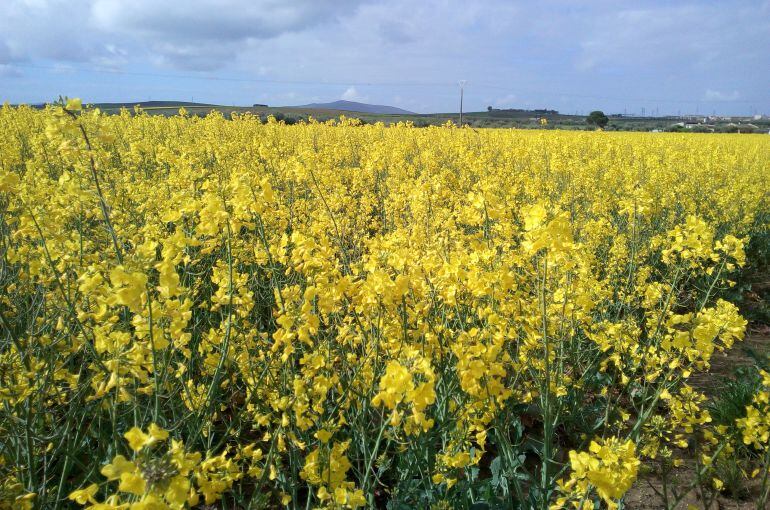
(237, 313)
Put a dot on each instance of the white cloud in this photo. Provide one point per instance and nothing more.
(50, 29)
(351, 94)
(715, 95)
(191, 56)
(208, 34)
(194, 34)
(506, 101)
(8, 71)
(690, 34)
(63, 69)
(217, 20)
(559, 52)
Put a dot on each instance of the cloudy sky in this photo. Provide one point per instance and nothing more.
(663, 56)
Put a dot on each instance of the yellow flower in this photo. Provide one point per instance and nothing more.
(177, 492)
(117, 467)
(8, 181)
(609, 465)
(138, 439)
(74, 104)
(25, 501)
(129, 288)
(282, 292)
(83, 496)
(323, 435)
(157, 433)
(327, 470)
(133, 483)
(394, 385)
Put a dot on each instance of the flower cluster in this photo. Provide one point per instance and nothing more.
(202, 311)
(158, 479)
(609, 466)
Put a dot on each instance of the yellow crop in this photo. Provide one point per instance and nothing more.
(203, 310)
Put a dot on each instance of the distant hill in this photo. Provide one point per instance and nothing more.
(353, 106)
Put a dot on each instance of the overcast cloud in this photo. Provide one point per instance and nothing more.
(615, 55)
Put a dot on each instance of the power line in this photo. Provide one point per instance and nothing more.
(638, 99)
(103, 70)
(480, 85)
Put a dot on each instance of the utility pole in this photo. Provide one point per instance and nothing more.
(462, 86)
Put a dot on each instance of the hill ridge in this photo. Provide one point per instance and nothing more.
(355, 106)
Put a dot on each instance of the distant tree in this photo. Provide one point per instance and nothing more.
(489, 108)
(597, 118)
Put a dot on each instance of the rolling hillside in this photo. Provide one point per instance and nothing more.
(353, 106)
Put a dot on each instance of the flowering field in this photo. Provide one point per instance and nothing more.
(225, 313)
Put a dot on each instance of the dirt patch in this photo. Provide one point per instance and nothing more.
(724, 364)
(646, 494)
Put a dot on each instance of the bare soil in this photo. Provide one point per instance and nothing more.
(646, 493)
